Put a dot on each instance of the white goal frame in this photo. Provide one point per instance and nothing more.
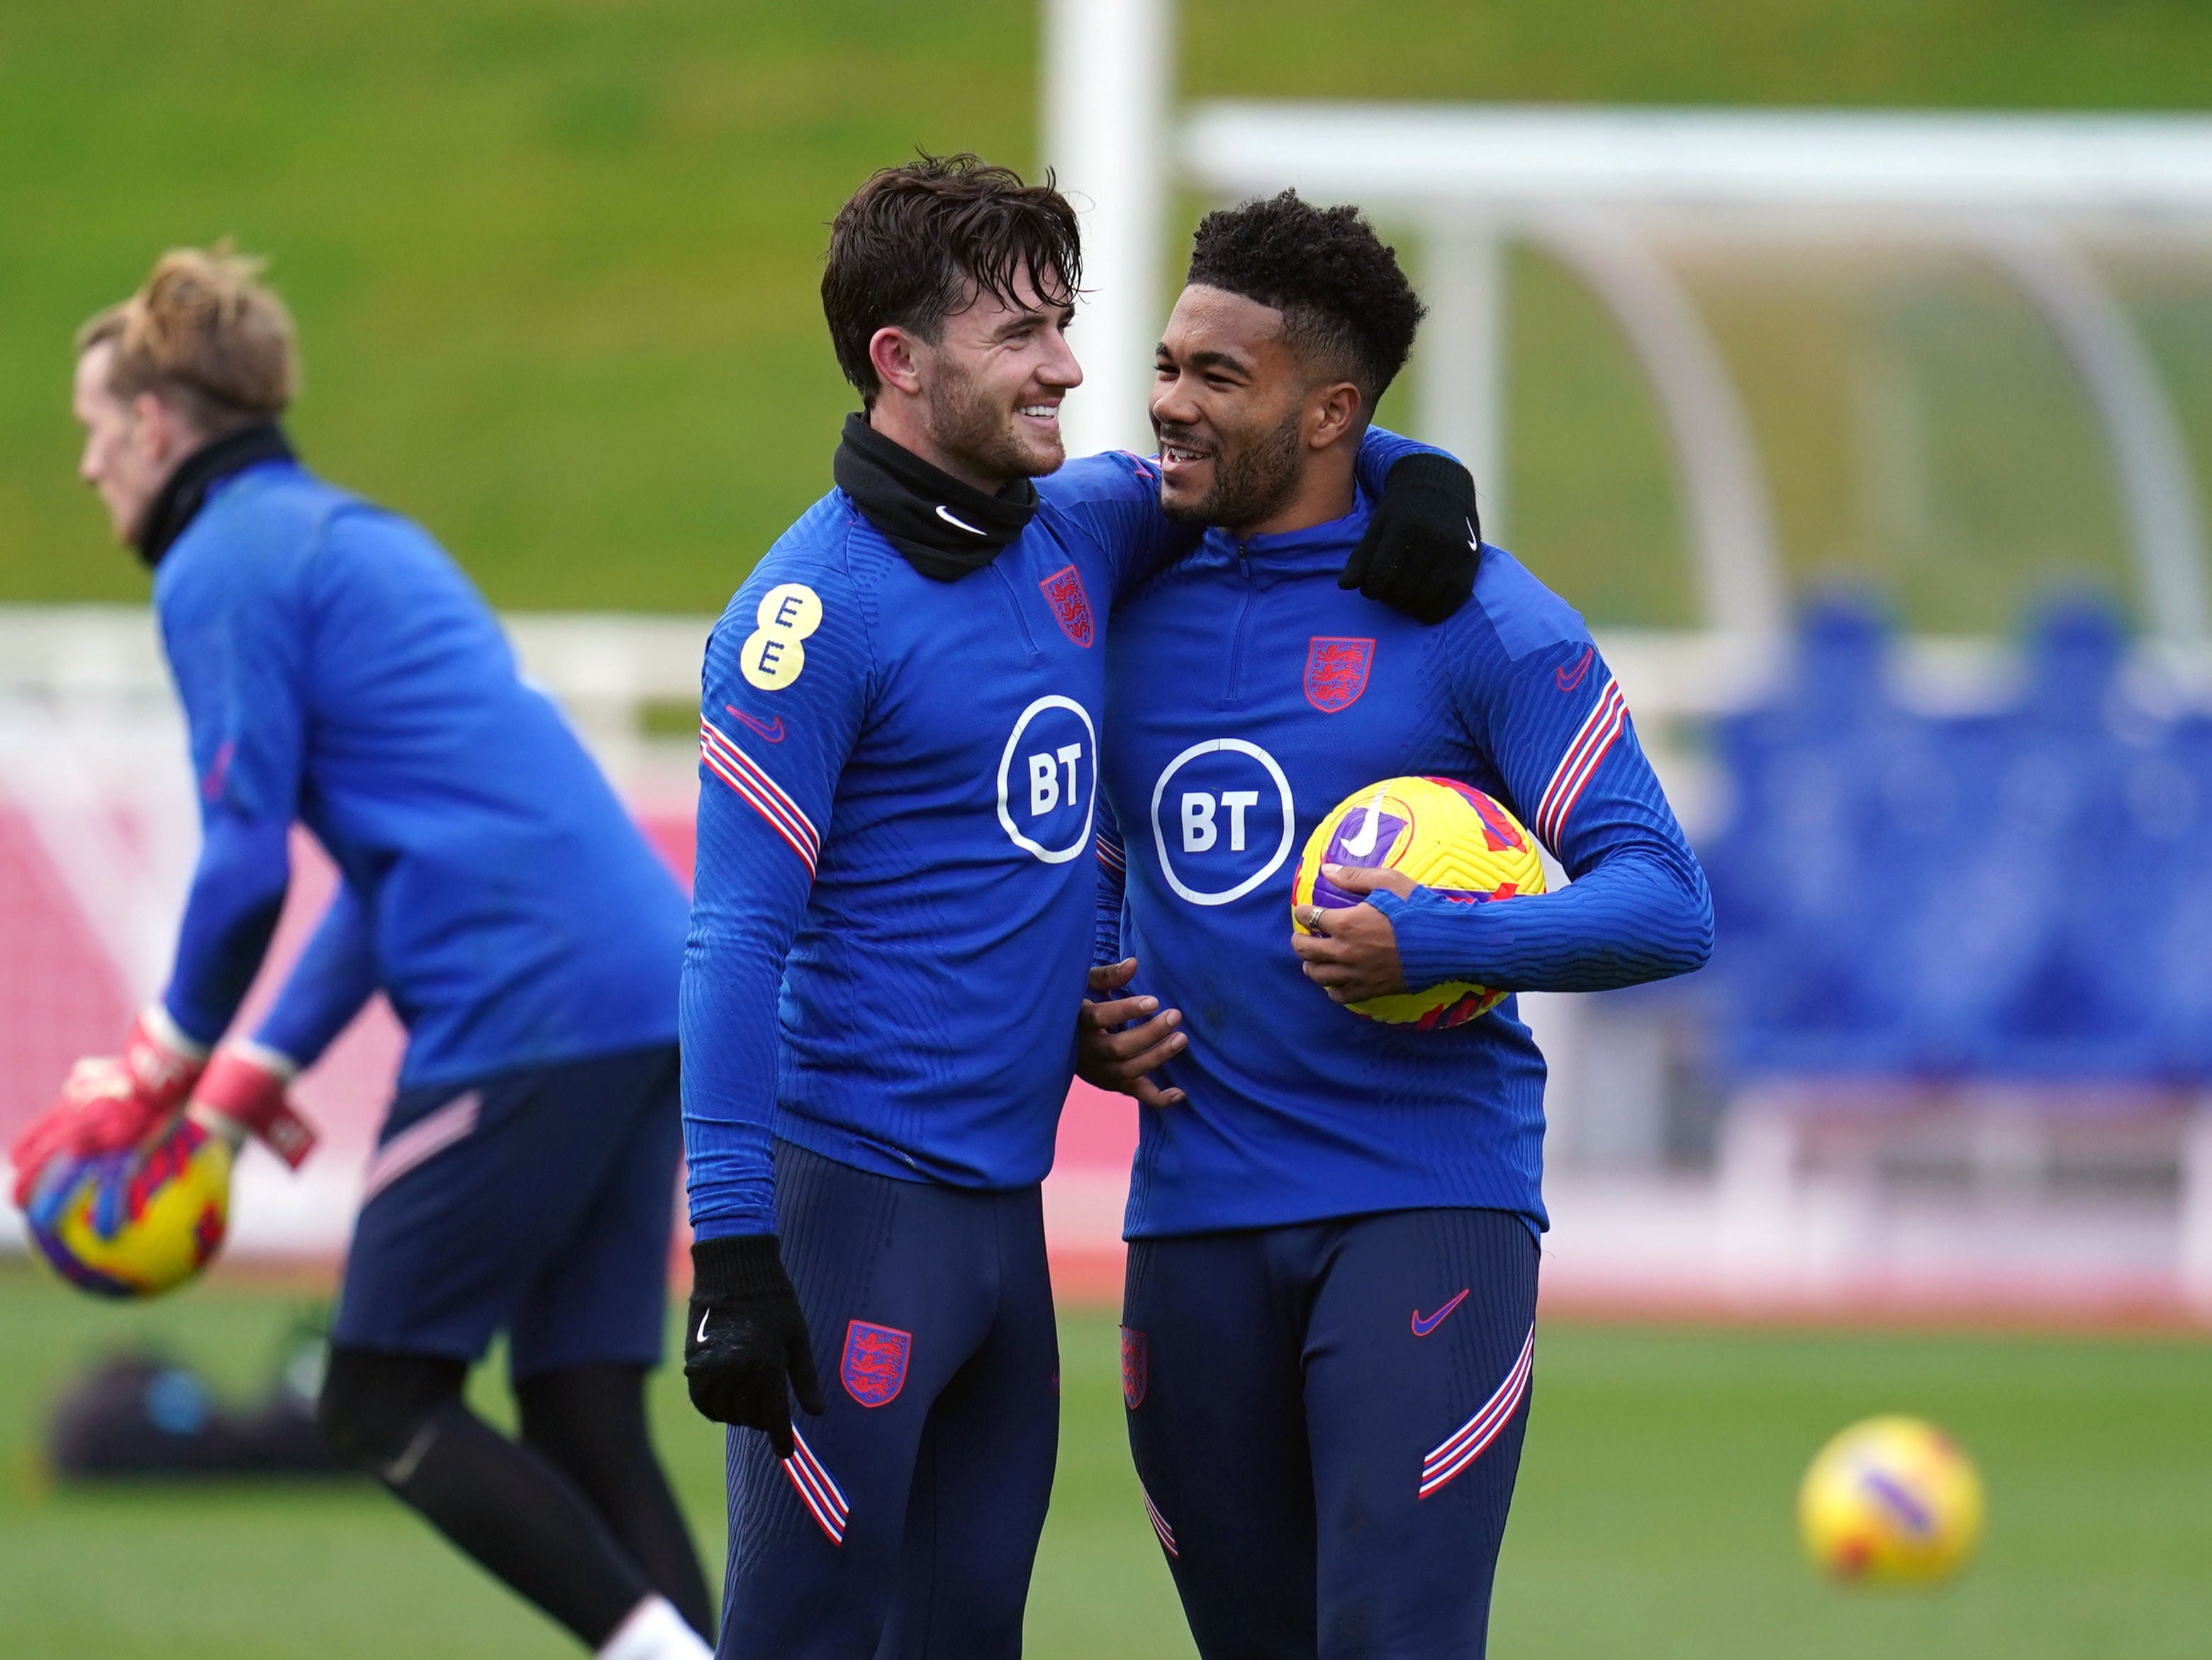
(2035, 196)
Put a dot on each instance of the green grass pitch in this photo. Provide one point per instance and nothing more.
(1653, 1519)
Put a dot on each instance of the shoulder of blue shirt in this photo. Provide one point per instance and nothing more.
(1512, 603)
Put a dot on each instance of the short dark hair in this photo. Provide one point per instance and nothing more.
(1347, 309)
(916, 242)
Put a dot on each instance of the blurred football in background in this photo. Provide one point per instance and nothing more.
(1891, 1500)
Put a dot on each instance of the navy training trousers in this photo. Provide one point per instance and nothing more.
(1327, 1419)
(906, 1524)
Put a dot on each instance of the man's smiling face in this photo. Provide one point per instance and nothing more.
(994, 381)
(1228, 398)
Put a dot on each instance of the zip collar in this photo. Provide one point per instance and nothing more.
(1315, 549)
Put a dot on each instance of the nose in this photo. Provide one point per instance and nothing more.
(1172, 403)
(1059, 369)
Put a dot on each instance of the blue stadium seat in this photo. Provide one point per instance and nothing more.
(2024, 896)
(1801, 903)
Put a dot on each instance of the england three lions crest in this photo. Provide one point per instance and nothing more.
(1336, 671)
(1136, 1368)
(1070, 606)
(875, 1362)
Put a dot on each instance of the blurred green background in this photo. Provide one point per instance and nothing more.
(555, 261)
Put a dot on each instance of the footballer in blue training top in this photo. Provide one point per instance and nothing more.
(892, 924)
(338, 671)
(1328, 1328)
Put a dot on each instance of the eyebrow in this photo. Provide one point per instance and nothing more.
(1228, 360)
(1024, 319)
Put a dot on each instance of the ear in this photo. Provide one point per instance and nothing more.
(165, 435)
(1334, 413)
(895, 356)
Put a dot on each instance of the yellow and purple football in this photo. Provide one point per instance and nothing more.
(138, 1222)
(1891, 1500)
(1444, 835)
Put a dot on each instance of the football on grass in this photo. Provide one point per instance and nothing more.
(1891, 1500)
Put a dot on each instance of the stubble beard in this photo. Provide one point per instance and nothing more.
(962, 419)
(1252, 483)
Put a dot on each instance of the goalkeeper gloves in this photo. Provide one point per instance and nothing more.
(242, 1092)
(1424, 540)
(112, 1101)
(745, 1349)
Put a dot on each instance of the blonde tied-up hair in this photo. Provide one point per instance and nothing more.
(205, 336)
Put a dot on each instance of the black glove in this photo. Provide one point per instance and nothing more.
(1423, 543)
(746, 1336)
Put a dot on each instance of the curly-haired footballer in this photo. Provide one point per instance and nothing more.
(1328, 1323)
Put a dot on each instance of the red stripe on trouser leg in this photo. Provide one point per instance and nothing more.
(1466, 1444)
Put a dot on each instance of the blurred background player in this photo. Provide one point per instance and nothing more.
(891, 923)
(337, 670)
(1329, 1314)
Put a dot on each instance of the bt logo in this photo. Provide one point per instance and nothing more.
(1049, 779)
(1222, 820)
(1044, 778)
(1199, 831)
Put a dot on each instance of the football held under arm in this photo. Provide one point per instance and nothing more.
(784, 688)
(1637, 909)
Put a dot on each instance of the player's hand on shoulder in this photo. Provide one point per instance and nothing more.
(1122, 1041)
(1352, 953)
(1423, 541)
(745, 1347)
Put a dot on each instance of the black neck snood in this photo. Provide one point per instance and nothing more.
(180, 499)
(944, 528)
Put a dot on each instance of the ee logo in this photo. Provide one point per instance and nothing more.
(774, 652)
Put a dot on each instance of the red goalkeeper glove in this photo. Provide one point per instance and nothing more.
(112, 1101)
(242, 1092)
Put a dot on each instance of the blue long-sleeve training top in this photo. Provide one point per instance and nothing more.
(337, 669)
(1247, 695)
(894, 900)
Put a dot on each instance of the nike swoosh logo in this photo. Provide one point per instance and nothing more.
(1472, 540)
(1567, 681)
(770, 730)
(1423, 1328)
(1361, 843)
(945, 513)
(702, 1337)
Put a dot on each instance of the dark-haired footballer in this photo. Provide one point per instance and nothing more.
(892, 924)
(1329, 1327)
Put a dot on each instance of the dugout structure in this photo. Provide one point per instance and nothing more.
(1795, 1189)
